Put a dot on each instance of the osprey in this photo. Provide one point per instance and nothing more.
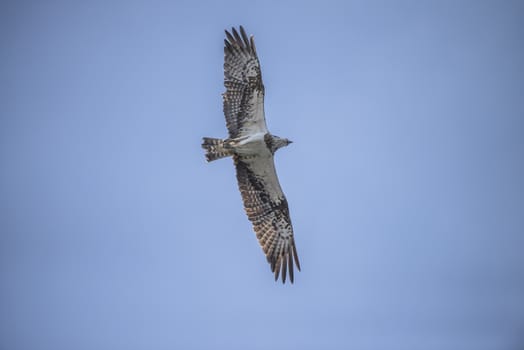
(252, 147)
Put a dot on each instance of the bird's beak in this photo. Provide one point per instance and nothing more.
(289, 141)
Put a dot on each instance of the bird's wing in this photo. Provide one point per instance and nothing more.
(267, 209)
(244, 96)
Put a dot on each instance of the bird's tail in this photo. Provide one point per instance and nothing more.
(215, 149)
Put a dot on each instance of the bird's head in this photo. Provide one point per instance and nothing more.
(279, 142)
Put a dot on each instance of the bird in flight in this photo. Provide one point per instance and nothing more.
(253, 147)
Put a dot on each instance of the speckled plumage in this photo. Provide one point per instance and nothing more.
(253, 148)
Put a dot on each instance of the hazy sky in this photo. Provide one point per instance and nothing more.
(405, 178)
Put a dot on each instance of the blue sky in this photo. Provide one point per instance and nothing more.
(405, 178)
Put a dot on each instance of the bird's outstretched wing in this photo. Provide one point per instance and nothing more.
(267, 209)
(244, 96)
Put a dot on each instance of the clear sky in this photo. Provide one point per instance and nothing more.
(405, 180)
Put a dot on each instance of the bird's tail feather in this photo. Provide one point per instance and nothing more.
(215, 149)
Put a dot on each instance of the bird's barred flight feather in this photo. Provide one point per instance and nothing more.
(267, 209)
(244, 96)
(253, 148)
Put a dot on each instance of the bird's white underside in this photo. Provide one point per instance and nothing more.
(262, 163)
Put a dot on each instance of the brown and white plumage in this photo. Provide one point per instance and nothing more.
(267, 209)
(244, 96)
(253, 148)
